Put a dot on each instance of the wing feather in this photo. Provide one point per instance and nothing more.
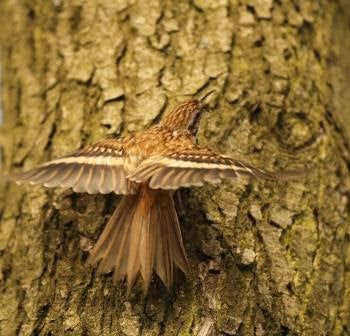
(79, 183)
(70, 177)
(39, 175)
(60, 173)
(95, 169)
(93, 186)
(195, 166)
(106, 185)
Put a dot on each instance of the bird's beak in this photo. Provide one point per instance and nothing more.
(206, 96)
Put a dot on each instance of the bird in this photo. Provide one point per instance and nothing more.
(143, 234)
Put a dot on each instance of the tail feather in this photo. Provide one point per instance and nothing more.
(180, 258)
(134, 235)
(111, 237)
(143, 234)
(164, 253)
(148, 246)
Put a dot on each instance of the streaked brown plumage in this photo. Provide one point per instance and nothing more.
(144, 233)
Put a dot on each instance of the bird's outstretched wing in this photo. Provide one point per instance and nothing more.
(97, 168)
(195, 166)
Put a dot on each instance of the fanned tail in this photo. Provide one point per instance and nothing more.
(143, 234)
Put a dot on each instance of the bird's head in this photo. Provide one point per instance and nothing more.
(186, 116)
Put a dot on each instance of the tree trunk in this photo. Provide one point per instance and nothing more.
(268, 258)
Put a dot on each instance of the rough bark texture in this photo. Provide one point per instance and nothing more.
(268, 258)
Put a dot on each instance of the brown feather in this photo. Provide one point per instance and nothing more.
(78, 178)
(142, 234)
(80, 183)
(92, 169)
(178, 248)
(147, 246)
(93, 186)
(89, 175)
(159, 179)
(164, 253)
(180, 177)
(71, 177)
(106, 178)
(42, 175)
(112, 239)
(167, 171)
(56, 180)
(145, 172)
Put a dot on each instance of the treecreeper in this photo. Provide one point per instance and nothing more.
(146, 168)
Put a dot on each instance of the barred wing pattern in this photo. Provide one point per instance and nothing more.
(95, 169)
(194, 167)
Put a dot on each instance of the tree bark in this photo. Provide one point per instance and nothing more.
(268, 258)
